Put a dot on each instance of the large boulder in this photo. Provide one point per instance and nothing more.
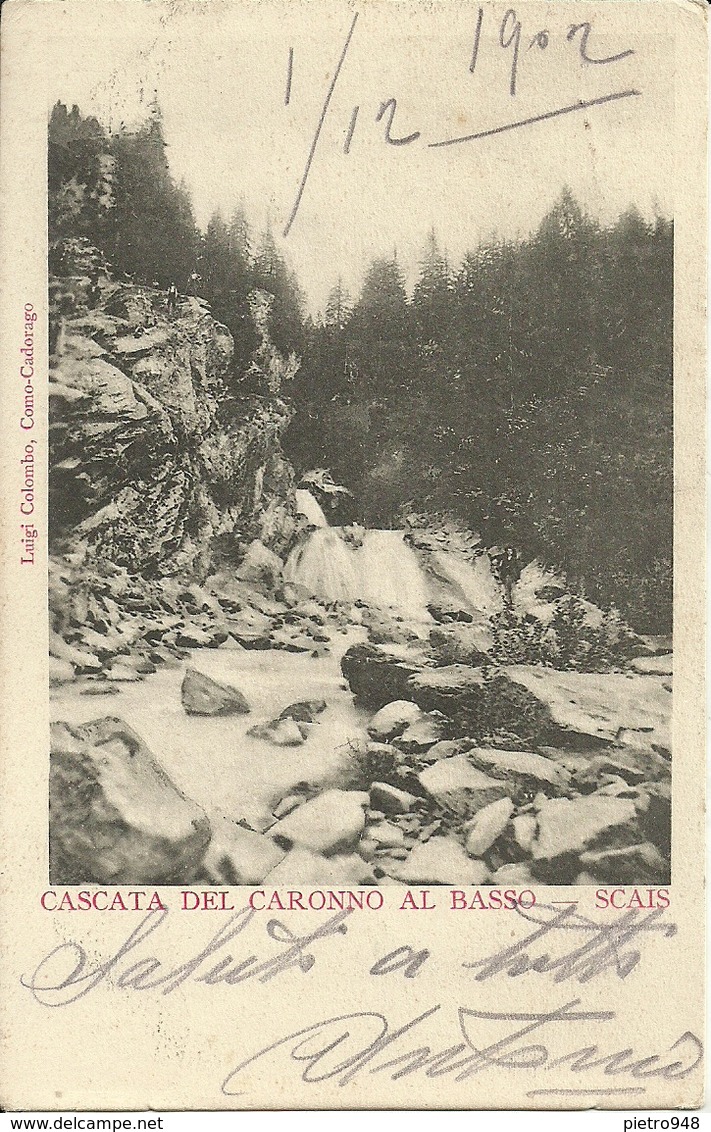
(379, 674)
(331, 822)
(601, 709)
(201, 695)
(570, 825)
(115, 816)
(448, 689)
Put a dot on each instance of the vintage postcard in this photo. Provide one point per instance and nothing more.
(353, 533)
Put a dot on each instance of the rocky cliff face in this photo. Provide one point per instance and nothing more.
(155, 464)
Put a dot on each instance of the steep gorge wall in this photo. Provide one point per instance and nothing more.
(154, 464)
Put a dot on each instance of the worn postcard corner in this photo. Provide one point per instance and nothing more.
(353, 554)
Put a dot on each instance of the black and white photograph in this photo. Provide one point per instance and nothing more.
(361, 450)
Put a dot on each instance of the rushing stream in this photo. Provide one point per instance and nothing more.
(212, 759)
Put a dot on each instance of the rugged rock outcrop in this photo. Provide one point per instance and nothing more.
(154, 460)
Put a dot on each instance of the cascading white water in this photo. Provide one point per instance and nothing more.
(308, 506)
(380, 568)
(381, 571)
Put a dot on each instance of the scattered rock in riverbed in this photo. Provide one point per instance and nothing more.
(570, 825)
(443, 613)
(632, 864)
(331, 822)
(98, 688)
(311, 868)
(82, 660)
(445, 749)
(122, 671)
(487, 824)
(290, 641)
(515, 873)
(386, 835)
(519, 766)
(201, 695)
(442, 860)
(525, 827)
(422, 734)
(389, 799)
(456, 784)
(285, 732)
(393, 719)
(306, 711)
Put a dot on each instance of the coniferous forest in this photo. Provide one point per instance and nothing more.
(525, 392)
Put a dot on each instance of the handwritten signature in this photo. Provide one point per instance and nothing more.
(347, 1045)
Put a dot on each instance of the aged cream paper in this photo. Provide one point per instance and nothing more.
(459, 889)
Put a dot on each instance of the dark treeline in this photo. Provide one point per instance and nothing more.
(527, 392)
(117, 191)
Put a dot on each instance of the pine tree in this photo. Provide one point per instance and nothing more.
(154, 237)
(338, 307)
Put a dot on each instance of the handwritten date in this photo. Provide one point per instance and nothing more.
(511, 39)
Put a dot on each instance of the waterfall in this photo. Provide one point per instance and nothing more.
(308, 506)
(381, 571)
(380, 568)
